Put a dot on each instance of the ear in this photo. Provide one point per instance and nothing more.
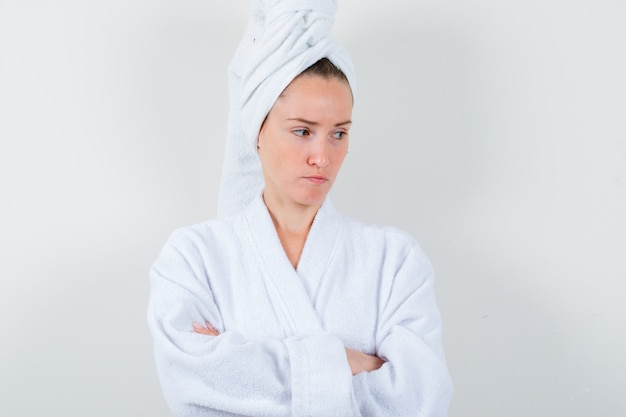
(258, 138)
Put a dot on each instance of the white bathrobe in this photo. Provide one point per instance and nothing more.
(281, 351)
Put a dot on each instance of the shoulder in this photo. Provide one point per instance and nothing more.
(381, 244)
(213, 241)
(200, 240)
(375, 234)
(390, 252)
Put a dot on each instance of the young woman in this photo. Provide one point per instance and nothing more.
(289, 308)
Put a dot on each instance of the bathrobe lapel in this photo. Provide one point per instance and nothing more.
(319, 249)
(294, 292)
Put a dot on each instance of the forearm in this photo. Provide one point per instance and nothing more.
(204, 375)
(413, 381)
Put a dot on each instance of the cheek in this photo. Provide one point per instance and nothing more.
(274, 160)
(266, 149)
(340, 155)
(287, 153)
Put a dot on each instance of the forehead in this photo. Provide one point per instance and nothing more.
(314, 83)
(317, 95)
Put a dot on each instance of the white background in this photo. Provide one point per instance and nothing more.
(494, 131)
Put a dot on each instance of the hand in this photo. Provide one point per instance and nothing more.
(362, 362)
(209, 330)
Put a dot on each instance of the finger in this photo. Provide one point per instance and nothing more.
(197, 327)
(212, 329)
(208, 331)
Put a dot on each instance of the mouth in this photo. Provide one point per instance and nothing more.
(316, 179)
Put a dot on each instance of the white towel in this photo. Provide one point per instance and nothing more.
(283, 38)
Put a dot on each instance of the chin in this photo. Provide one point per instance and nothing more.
(312, 199)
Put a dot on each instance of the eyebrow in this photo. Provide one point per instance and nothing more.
(310, 123)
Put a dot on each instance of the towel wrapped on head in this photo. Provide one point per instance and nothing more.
(283, 38)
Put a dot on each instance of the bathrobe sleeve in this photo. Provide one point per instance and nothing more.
(228, 375)
(414, 381)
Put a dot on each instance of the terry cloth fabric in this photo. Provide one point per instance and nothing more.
(281, 351)
(282, 39)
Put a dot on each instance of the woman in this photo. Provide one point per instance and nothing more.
(289, 308)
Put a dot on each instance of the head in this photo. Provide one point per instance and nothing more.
(304, 139)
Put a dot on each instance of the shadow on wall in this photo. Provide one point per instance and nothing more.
(417, 146)
(483, 139)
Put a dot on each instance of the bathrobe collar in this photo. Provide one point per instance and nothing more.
(297, 289)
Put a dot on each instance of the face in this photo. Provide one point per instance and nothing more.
(304, 140)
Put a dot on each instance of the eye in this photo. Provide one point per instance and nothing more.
(301, 132)
(339, 134)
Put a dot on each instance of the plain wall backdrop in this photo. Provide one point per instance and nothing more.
(493, 131)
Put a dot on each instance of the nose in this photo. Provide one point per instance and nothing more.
(318, 155)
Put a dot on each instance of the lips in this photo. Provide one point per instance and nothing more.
(316, 179)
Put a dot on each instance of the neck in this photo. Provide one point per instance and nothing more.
(292, 223)
(290, 219)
